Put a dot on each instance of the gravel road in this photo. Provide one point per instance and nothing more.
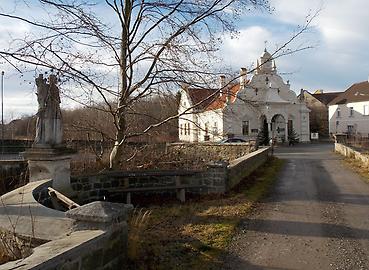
(317, 217)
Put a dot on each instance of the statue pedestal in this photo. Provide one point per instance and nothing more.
(50, 163)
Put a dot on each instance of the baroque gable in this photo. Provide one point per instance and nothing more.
(244, 108)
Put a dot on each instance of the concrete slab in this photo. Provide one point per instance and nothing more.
(47, 256)
(20, 212)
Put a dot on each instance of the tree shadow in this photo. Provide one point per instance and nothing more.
(298, 228)
(323, 189)
(232, 262)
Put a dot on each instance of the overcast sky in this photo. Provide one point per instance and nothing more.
(340, 57)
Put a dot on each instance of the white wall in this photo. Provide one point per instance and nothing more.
(192, 126)
(358, 120)
(212, 119)
(187, 121)
(238, 112)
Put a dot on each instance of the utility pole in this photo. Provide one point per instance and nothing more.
(2, 112)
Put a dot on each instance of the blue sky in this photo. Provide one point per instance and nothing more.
(340, 36)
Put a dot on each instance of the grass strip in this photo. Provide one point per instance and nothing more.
(195, 234)
(358, 167)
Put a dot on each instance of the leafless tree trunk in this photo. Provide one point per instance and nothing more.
(152, 46)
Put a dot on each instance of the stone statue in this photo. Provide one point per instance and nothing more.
(49, 130)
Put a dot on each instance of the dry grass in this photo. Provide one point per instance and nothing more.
(194, 235)
(137, 225)
(359, 167)
(12, 248)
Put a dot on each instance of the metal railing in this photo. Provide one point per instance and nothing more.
(356, 141)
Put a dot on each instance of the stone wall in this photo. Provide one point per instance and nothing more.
(351, 153)
(81, 250)
(12, 167)
(99, 242)
(13, 174)
(218, 177)
(209, 152)
(240, 168)
(15, 146)
(105, 186)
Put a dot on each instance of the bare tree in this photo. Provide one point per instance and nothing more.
(116, 52)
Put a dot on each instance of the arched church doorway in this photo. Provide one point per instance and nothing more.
(290, 125)
(279, 128)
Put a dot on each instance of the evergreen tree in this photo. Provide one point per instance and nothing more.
(263, 136)
(293, 138)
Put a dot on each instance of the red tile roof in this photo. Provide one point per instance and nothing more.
(355, 93)
(211, 99)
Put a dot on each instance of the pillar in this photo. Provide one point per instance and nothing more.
(270, 126)
(286, 132)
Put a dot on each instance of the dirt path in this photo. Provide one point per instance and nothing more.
(317, 217)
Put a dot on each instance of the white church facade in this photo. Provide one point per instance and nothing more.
(243, 109)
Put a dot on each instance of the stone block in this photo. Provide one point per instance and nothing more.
(100, 211)
(85, 180)
(73, 180)
(115, 183)
(92, 260)
(45, 163)
(112, 252)
(77, 187)
(97, 185)
(73, 265)
(93, 193)
(117, 263)
(87, 187)
(107, 185)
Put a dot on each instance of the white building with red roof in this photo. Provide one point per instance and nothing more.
(349, 112)
(242, 110)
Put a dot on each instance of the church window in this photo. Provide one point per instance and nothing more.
(215, 129)
(185, 129)
(189, 127)
(350, 129)
(338, 112)
(180, 129)
(351, 111)
(206, 128)
(245, 127)
(206, 136)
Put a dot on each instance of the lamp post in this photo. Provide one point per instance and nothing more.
(2, 111)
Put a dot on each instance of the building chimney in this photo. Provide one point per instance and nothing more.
(222, 84)
(243, 77)
(302, 96)
(221, 81)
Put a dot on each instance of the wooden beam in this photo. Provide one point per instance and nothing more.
(54, 194)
